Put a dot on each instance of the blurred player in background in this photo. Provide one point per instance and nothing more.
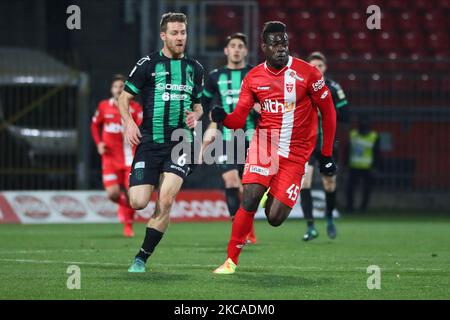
(171, 85)
(291, 91)
(117, 154)
(222, 87)
(318, 60)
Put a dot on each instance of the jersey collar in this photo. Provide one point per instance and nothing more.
(286, 67)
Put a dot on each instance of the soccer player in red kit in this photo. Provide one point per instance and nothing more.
(290, 91)
(117, 155)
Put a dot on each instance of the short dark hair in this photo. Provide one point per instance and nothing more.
(236, 35)
(118, 77)
(271, 27)
(317, 55)
(171, 17)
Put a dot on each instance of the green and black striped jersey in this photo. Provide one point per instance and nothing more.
(168, 87)
(222, 87)
(340, 101)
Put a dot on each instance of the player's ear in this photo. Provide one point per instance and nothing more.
(225, 51)
(162, 35)
(263, 46)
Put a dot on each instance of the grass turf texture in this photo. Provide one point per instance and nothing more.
(412, 252)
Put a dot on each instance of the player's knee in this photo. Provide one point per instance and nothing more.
(329, 184)
(114, 195)
(275, 220)
(250, 203)
(138, 203)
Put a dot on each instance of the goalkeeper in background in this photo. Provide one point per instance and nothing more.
(329, 181)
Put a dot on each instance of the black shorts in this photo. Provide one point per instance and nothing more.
(152, 159)
(235, 160)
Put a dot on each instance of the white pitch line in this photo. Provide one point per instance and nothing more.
(312, 269)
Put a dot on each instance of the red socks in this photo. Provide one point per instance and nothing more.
(125, 212)
(242, 225)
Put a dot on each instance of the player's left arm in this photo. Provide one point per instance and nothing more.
(197, 110)
(237, 118)
(321, 97)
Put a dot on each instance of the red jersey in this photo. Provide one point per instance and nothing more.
(106, 126)
(290, 99)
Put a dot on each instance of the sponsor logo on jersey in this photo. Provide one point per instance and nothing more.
(263, 88)
(139, 165)
(178, 168)
(324, 95)
(230, 92)
(113, 128)
(259, 170)
(174, 87)
(319, 84)
(277, 107)
(109, 116)
(160, 74)
(173, 96)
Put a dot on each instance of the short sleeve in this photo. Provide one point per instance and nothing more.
(138, 76)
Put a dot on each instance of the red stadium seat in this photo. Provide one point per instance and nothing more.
(355, 21)
(412, 41)
(388, 21)
(321, 4)
(269, 3)
(424, 5)
(434, 21)
(304, 21)
(386, 41)
(438, 42)
(361, 42)
(365, 61)
(335, 41)
(418, 62)
(395, 5)
(340, 62)
(352, 83)
(329, 21)
(295, 4)
(278, 15)
(392, 62)
(377, 82)
(408, 21)
(441, 62)
(310, 41)
(349, 5)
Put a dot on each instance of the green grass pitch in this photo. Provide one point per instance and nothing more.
(412, 252)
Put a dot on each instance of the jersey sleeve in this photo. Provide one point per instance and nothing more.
(96, 124)
(198, 83)
(138, 76)
(237, 118)
(321, 97)
(210, 90)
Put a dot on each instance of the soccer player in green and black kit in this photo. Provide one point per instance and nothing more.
(222, 87)
(329, 182)
(170, 85)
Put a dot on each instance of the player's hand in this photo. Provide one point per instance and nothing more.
(101, 148)
(192, 118)
(132, 134)
(218, 114)
(327, 166)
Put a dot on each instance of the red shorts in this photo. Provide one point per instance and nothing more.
(112, 176)
(282, 175)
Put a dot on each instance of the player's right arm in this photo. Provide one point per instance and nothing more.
(96, 127)
(135, 82)
(236, 119)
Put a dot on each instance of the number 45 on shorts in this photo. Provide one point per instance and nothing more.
(293, 192)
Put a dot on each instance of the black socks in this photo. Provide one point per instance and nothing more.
(151, 240)
(233, 201)
(330, 199)
(307, 206)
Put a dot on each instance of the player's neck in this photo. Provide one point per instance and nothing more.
(167, 53)
(235, 66)
(275, 69)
